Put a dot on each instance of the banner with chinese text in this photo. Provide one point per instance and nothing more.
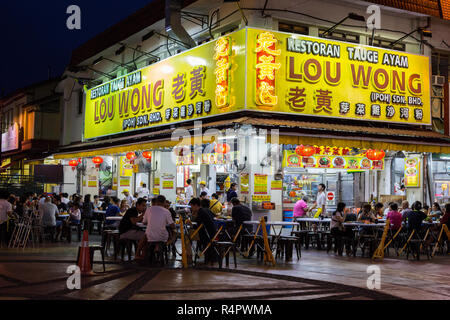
(293, 73)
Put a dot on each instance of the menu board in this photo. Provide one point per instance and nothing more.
(276, 185)
(412, 172)
(167, 184)
(156, 181)
(126, 168)
(124, 181)
(260, 183)
(260, 198)
(244, 183)
(155, 191)
(207, 158)
(348, 162)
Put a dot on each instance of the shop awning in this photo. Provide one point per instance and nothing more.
(332, 134)
(415, 139)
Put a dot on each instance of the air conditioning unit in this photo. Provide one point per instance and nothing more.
(438, 81)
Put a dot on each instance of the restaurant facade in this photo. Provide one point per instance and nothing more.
(275, 112)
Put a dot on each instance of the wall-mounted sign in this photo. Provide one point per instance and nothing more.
(267, 71)
(244, 187)
(293, 160)
(260, 183)
(276, 185)
(10, 139)
(125, 182)
(312, 76)
(412, 172)
(126, 168)
(260, 198)
(190, 85)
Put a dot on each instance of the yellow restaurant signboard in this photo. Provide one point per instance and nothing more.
(267, 71)
(317, 77)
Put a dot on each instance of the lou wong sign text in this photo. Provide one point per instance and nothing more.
(194, 84)
(266, 71)
(313, 76)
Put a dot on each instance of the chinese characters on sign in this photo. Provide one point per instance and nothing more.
(222, 56)
(321, 77)
(266, 67)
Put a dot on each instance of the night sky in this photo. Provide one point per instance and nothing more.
(34, 35)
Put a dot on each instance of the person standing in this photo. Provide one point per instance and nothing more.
(143, 191)
(321, 202)
(189, 191)
(203, 188)
(5, 211)
(128, 197)
(337, 228)
(231, 193)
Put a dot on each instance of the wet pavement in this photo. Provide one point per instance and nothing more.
(40, 273)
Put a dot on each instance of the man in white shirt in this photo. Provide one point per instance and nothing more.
(189, 191)
(128, 197)
(321, 202)
(5, 211)
(143, 191)
(203, 188)
(48, 212)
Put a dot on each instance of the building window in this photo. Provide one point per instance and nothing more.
(341, 36)
(383, 43)
(293, 28)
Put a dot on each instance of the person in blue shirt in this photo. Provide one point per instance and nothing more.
(112, 211)
(231, 193)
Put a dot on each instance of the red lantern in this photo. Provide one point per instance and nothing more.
(98, 161)
(73, 164)
(147, 155)
(79, 160)
(375, 155)
(305, 151)
(222, 148)
(131, 156)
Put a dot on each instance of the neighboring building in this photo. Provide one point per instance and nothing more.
(161, 42)
(30, 126)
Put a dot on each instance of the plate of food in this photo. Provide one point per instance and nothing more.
(352, 163)
(324, 161)
(411, 171)
(365, 163)
(410, 162)
(308, 161)
(293, 160)
(339, 162)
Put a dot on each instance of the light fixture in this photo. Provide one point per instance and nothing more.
(148, 35)
(351, 15)
(97, 61)
(120, 50)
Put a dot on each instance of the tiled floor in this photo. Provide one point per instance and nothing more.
(40, 273)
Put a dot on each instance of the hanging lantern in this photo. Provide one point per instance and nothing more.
(131, 156)
(147, 155)
(73, 164)
(222, 148)
(79, 160)
(375, 155)
(305, 151)
(98, 161)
